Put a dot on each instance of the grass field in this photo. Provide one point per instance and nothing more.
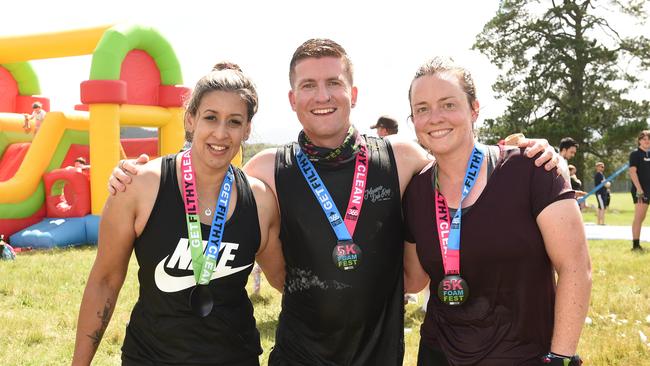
(40, 294)
(620, 211)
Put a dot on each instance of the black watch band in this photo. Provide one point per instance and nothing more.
(551, 359)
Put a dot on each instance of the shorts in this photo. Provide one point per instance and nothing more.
(603, 200)
(645, 199)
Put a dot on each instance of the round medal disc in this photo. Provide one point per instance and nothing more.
(453, 290)
(346, 255)
(201, 300)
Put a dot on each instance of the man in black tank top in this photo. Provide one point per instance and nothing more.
(332, 316)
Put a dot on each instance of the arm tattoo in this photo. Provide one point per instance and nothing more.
(104, 315)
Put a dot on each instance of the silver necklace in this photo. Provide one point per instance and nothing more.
(207, 211)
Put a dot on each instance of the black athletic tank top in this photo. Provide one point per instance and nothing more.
(330, 316)
(163, 329)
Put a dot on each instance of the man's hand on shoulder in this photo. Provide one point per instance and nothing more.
(121, 176)
(549, 157)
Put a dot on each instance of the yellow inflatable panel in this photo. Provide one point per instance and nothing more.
(50, 45)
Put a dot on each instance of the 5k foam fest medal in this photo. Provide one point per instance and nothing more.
(346, 254)
(453, 289)
(201, 301)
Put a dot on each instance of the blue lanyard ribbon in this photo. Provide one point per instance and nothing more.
(204, 266)
(322, 195)
(471, 176)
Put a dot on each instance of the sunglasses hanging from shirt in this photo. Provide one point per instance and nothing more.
(453, 289)
(201, 300)
(346, 254)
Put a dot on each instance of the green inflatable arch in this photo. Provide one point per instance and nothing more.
(25, 77)
(119, 40)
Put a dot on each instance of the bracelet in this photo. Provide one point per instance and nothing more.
(640, 194)
(552, 359)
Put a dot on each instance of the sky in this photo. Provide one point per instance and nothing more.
(386, 40)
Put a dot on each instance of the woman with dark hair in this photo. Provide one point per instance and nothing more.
(193, 307)
(497, 300)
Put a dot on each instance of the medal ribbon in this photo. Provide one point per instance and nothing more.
(343, 232)
(203, 266)
(449, 229)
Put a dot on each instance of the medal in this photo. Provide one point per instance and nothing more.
(203, 265)
(201, 301)
(453, 290)
(346, 255)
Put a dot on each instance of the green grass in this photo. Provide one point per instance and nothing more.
(620, 211)
(40, 294)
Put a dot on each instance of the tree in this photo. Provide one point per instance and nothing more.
(566, 71)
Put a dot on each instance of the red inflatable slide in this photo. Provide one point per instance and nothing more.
(11, 160)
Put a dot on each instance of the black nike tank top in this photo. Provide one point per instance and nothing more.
(163, 330)
(330, 316)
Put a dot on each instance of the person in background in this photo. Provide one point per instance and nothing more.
(257, 279)
(37, 116)
(568, 148)
(640, 177)
(6, 251)
(576, 184)
(385, 126)
(81, 166)
(602, 195)
(497, 299)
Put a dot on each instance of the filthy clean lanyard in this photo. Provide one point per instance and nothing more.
(343, 232)
(449, 230)
(203, 266)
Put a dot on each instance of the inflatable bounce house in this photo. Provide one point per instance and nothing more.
(134, 80)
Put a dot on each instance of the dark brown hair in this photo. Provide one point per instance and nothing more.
(318, 48)
(438, 65)
(228, 77)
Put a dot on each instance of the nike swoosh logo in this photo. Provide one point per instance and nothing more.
(168, 283)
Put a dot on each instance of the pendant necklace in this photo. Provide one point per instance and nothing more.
(207, 211)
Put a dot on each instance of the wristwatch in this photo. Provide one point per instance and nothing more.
(552, 359)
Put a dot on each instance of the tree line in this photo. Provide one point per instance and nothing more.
(567, 69)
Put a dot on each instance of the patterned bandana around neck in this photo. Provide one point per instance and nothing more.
(332, 157)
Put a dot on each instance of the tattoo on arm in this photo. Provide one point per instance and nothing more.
(104, 316)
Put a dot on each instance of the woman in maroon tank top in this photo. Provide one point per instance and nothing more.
(497, 300)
